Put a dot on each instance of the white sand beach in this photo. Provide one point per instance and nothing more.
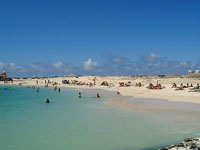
(166, 93)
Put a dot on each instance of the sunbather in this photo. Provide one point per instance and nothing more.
(174, 85)
(138, 84)
(150, 86)
(180, 87)
(196, 87)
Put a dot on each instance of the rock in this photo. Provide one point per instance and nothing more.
(188, 140)
(164, 149)
(187, 144)
(193, 147)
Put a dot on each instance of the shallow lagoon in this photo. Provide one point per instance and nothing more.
(27, 122)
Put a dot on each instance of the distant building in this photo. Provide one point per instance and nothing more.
(193, 71)
(3, 75)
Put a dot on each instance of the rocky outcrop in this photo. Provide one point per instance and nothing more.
(187, 144)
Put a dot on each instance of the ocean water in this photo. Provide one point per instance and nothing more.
(69, 123)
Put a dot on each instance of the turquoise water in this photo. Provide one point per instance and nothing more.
(26, 122)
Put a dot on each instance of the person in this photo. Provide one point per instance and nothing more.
(174, 85)
(79, 95)
(55, 88)
(59, 90)
(187, 85)
(150, 86)
(47, 101)
(46, 85)
(36, 81)
(118, 93)
(196, 87)
(98, 96)
(38, 89)
(181, 87)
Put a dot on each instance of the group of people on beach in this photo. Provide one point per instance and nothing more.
(189, 86)
(156, 87)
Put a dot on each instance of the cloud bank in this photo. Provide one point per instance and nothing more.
(152, 64)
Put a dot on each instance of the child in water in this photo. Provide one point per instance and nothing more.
(47, 101)
(98, 96)
(79, 95)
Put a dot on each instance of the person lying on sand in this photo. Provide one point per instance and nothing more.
(195, 89)
(174, 85)
(156, 87)
(150, 86)
(138, 84)
(181, 87)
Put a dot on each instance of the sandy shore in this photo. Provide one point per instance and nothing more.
(167, 93)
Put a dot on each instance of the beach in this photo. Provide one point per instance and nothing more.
(167, 93)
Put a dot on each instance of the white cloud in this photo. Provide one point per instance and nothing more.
(147, 64)
(154, 56)
(89, 64)
(33, 66)
(58, 64)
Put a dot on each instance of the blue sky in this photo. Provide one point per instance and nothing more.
(78, 34)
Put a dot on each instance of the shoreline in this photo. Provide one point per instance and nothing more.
(128, 102)
(166, 93)
(131, 98)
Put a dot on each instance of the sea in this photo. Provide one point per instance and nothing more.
(86, 123)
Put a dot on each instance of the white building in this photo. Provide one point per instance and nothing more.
(193, 71)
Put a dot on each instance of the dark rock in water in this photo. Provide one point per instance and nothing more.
(187, 140)
(164, 149)
(187, 144)
(180, 145)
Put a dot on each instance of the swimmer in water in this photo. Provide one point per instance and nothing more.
(38, 90)
(98, 96)
(47, 101)
(59, 90)
(79, 95)
(118, 93)
(55, 88)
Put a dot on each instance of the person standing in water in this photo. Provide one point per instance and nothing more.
(98, 96)
(59, 90)
(47, 101)
(79, 95)
(55, 88)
